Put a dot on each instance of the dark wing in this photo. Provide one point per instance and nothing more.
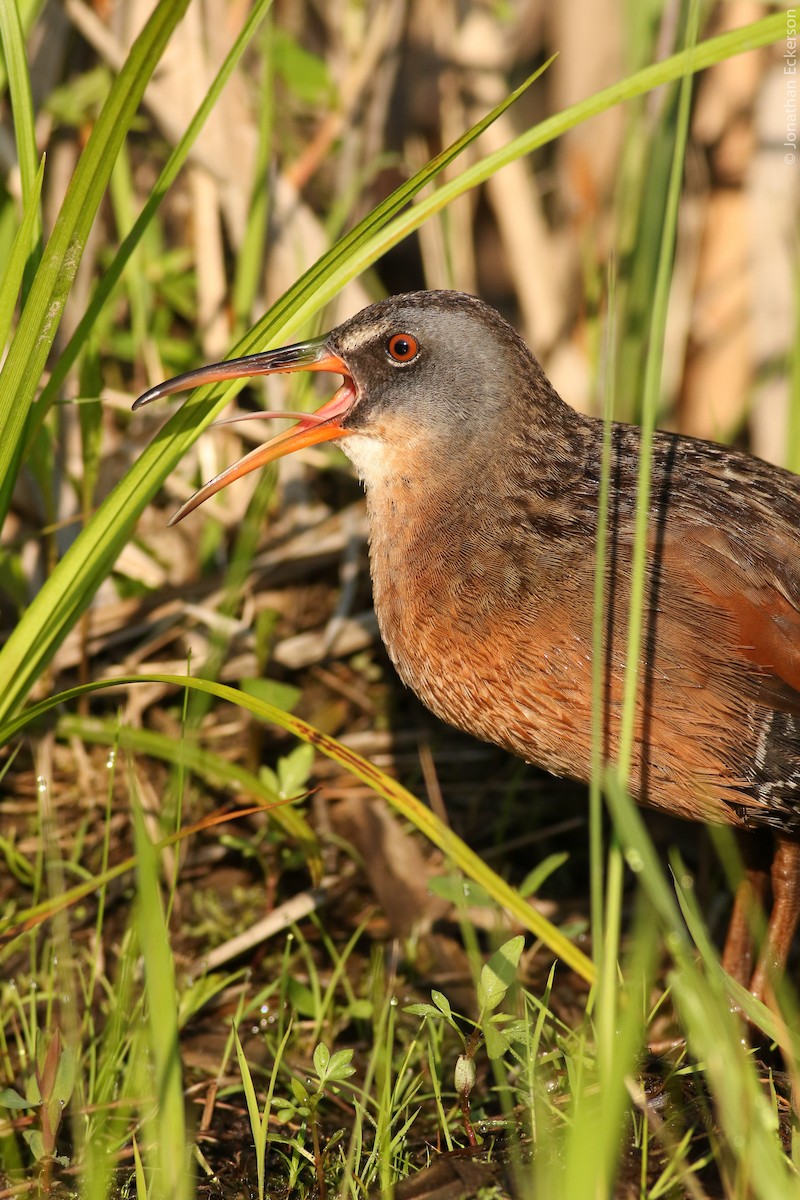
(758, 593)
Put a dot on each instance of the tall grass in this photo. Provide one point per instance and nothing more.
(125, 1026)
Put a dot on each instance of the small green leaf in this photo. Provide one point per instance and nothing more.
(48, 1061)
(35, 1142)
(294, 770)
(499, 973)
(514, 1031)
(271, 691)
(9, 1098)
(301, 998)
(340, 1066)
(322, 1059)
(442, 1003)
(422, 1010)
(65, 1075)
(52, 1112)
(460, 891)
(304, 74)
(79, 100)
(300, 1092)
(361, 1010)
(496, 1039)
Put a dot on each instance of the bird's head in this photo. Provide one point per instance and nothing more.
(428, 373)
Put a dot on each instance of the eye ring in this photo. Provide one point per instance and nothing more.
(402, 347)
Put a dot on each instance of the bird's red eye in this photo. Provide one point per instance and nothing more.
(402, 347)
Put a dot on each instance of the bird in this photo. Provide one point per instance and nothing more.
(482, 492)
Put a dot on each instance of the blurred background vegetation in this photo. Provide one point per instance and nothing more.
(330, 108)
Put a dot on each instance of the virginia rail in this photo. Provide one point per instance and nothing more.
(482, 493)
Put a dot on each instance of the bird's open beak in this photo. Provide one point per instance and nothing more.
(322, 426)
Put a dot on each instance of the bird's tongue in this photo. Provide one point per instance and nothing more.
(324, 425)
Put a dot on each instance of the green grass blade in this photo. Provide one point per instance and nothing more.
(598, 629)
(249, 261)
(20, 256)
(639, 609)
(17, 925)
(706, 54)
(401, 799)
(27, 11)
(42, 312)
(12, 39)
(167, 1146)
(211, 767)
(597, 1118)
(325, 278)
(702, 1000)
(253, 1111)
(176, 160)
(138, 1173)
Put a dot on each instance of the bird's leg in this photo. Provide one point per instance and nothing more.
(784, 917)
(738, 957)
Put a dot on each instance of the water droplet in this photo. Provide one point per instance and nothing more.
(393, 1003)
(254, 1029)
(41, 784)
(265, 1009)
(111, 761)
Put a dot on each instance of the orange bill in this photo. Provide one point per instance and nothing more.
(322, 426)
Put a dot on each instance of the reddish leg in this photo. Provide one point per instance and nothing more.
(738, 957)
(784, 917)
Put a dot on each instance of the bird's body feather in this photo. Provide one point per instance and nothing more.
(472, 582)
